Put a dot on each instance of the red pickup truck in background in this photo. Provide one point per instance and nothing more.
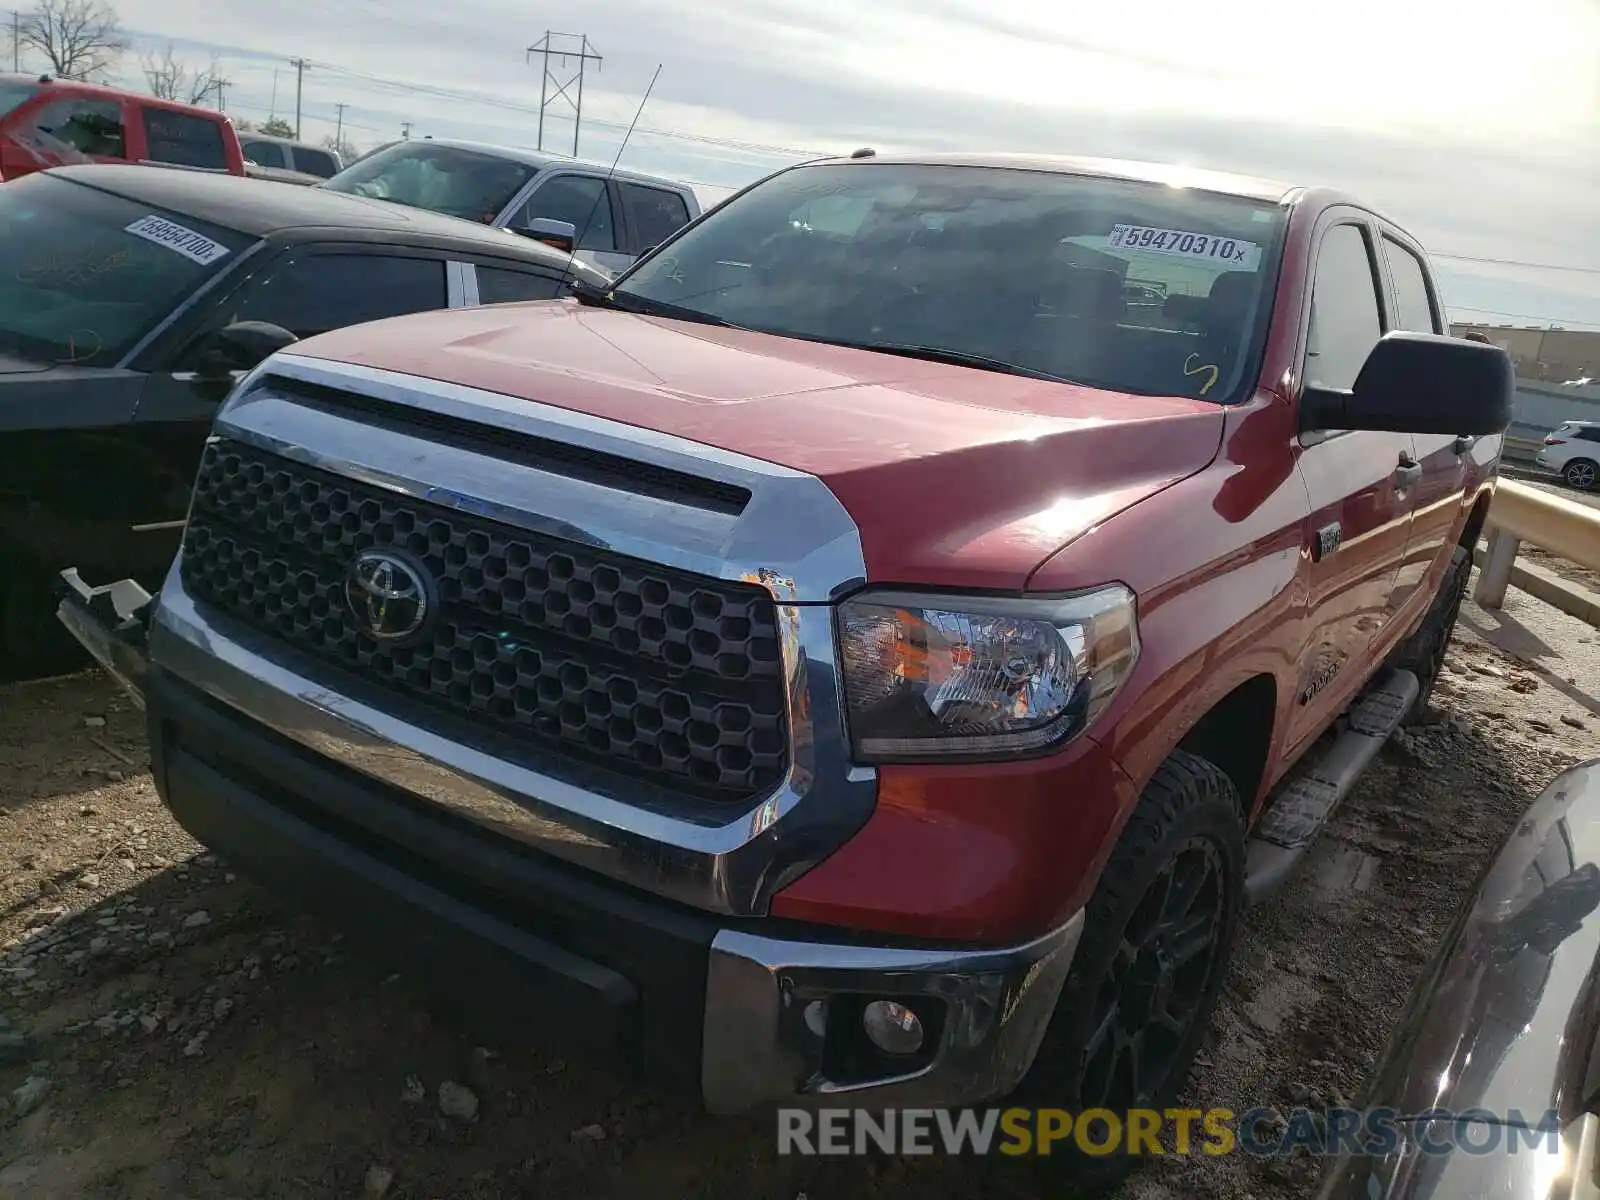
(876, 648)
(47, 122)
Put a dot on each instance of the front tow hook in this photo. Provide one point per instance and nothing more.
(112, 622)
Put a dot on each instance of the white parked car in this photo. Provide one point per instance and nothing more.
(1572, 450)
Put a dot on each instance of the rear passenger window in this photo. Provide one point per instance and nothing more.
(315, 162)
(318, 292)
(89, 127)
(184, 140)
(1345, 317)
(496, 286)
(656, 213)
(1410, 289)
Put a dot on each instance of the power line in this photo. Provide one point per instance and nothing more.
(1495, 312)
(315, 116)
(530, 110)
(1517, 262)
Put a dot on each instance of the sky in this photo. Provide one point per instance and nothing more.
(1475, 124)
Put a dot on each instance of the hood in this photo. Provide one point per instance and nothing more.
(956, 476)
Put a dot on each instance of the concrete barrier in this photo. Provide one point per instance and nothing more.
(1563, 527)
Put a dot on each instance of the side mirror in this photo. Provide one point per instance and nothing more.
(239, 347)
(1420, 383)
(563, 235)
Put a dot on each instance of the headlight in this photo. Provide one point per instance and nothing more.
(929, 676)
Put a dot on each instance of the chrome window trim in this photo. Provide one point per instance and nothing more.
(461, 284)
(813, 550)
(454, 290)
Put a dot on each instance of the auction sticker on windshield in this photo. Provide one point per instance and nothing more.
(1235, 253)
(178, 238)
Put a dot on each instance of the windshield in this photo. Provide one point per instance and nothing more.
(442, 179)
(1122, 285)
(85, 275)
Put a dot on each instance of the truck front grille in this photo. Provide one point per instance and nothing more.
(670, 677)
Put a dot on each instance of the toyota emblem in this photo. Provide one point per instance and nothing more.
(387, 596)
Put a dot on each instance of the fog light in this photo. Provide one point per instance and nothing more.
(893, 1028)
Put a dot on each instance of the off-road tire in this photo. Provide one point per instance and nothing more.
(1581, 473)
(1424, 652)
(1190, 802)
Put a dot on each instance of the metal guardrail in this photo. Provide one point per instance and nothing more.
(1563, 527)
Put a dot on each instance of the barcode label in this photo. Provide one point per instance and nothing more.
(1235, 253)
(178, 238)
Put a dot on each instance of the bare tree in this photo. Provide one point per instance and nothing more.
(81, 39)
(170, 78)
(343, 147)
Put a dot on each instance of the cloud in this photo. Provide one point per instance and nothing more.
(1480, 134)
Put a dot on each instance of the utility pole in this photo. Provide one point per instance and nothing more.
(562, 77)
(338, 130)
(405, 130)
(222, 94)
(299, 65)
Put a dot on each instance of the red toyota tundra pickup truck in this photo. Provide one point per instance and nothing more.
(878, 646)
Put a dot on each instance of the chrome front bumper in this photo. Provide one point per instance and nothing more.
(762, 1000)
(760, 1047)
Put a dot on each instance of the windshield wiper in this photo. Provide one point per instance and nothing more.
(942, 354)
(632, 302)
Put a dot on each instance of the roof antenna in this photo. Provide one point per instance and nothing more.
(595, 207)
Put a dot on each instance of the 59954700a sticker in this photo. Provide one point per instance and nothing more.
(1234, 254)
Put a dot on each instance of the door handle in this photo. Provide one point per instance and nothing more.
(1465, 443)
(1407, 473)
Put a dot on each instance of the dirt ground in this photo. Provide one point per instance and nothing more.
(169, 1031)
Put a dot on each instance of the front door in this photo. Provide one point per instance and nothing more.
(1361, 485)
(586, 201)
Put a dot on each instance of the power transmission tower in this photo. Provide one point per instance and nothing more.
(557, 52)
(299, 65)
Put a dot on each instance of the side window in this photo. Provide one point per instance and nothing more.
(90, 127)
(315, 162)
(1345, 317)
(1589, 433)
(1410, 289)
(265, 154)
(314, 293)
(580, 199)
(656, 213)
(184, 140)
(497, 286)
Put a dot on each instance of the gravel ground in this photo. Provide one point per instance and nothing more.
(168, 1030)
